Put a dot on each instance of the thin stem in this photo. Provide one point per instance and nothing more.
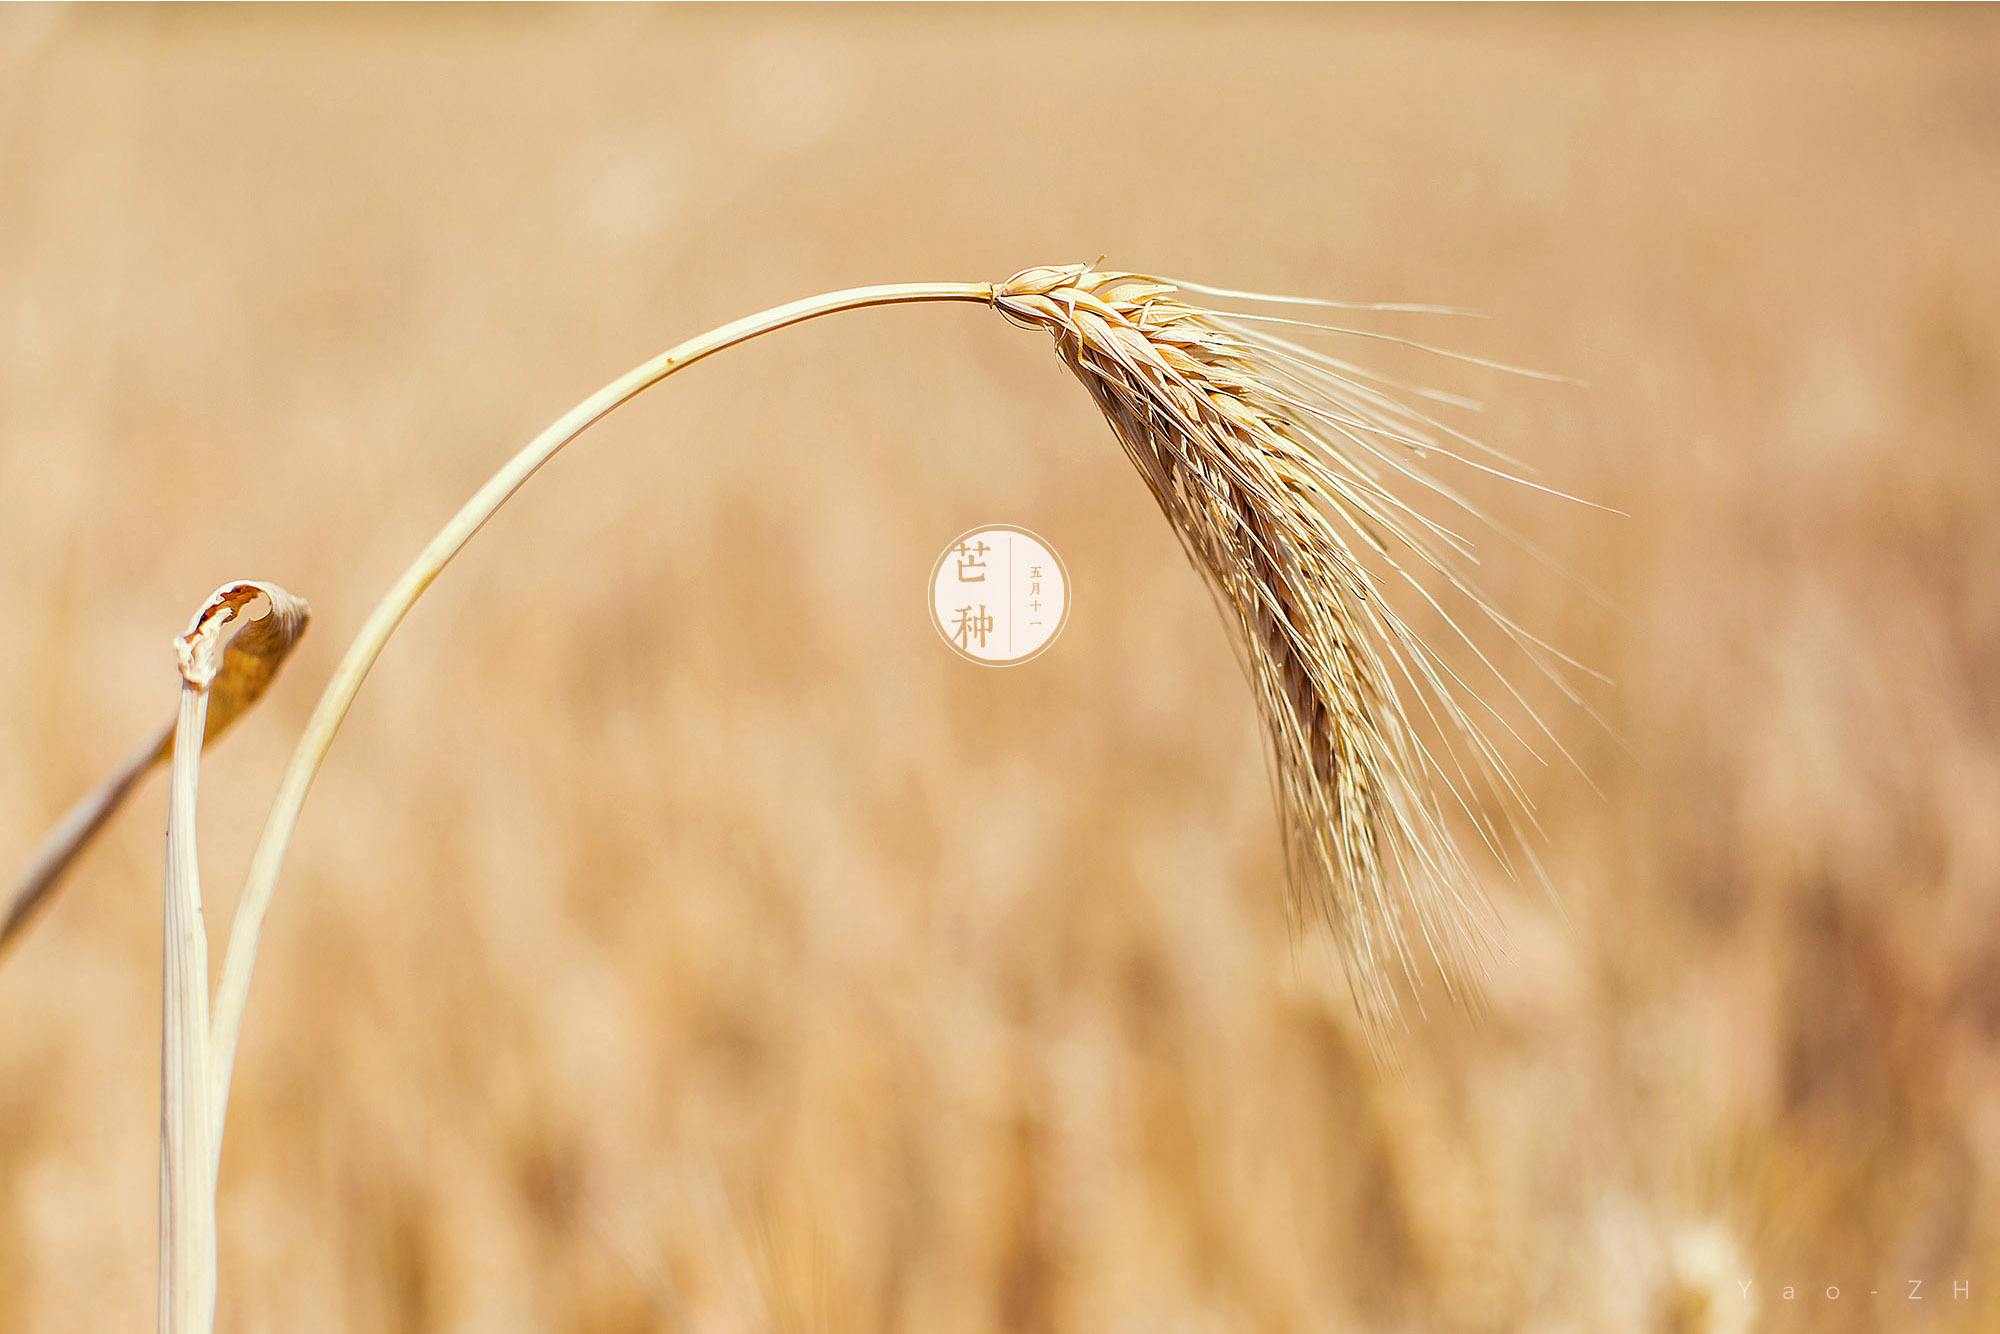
(339, 695)
(187, 1158)
(62, 844)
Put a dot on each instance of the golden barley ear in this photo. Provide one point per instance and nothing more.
(1277, 465)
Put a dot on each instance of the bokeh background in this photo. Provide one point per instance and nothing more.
(680, 937)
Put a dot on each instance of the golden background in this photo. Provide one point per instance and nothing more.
(680, 936)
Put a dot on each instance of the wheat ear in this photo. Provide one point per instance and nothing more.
(1276, 466)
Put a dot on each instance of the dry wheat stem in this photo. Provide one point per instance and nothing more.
(187, 1159)
(220, 678)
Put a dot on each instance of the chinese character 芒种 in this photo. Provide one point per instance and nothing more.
(971, 625)
(972, 557)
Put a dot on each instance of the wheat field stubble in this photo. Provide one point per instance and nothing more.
(681, 936)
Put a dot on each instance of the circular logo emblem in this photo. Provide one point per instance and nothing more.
(999, 595)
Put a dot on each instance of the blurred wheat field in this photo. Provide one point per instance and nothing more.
(747, 960)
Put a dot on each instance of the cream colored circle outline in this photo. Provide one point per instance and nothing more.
(930, 588)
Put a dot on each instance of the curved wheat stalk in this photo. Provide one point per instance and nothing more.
(1273, 461)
